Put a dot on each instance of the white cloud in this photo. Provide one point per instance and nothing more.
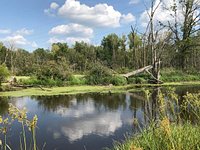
(134, 2)
(100, 15)
(74, 30)
(52, 10)
(163, 13)
(54, 5)
(23, 31)
(18, 38)
(5, 31)
(15, 39)
(127, 18)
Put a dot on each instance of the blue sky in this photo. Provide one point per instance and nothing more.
(37, 23)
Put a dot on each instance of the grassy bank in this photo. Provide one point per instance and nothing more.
(64, 90)
(176, 126)
(69, 90)
(168, 137)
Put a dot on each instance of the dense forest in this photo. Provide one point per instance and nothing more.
(175, 44)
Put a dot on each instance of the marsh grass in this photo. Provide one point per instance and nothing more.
(176, 128)
(15, 114)
(171, 137)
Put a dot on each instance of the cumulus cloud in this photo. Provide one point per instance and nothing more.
(163, 13)
(127, 18)
(100, 15)
(15, 39)
(85, 19)
(18, 38)
(5, 31)
(71, 33)
(132, 2)
(74, 30)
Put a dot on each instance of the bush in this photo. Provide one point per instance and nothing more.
(53, 71)
(4, 73)
(45, 82)
(99, 74)
(118, 80)
(140, 80)
(73, 80)
(174, 75)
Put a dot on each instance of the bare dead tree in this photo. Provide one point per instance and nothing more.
(184, 29)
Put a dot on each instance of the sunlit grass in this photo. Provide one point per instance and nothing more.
(180, 137)
(162, 134)
(65, 90)
(69, 90)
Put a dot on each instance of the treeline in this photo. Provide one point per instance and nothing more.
(120, 54)
(174, 43)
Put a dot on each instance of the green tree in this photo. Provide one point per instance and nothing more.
(4, 73)
(110, 44)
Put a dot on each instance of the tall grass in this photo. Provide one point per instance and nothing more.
(176, 128)
(173, 75)
(20, 116)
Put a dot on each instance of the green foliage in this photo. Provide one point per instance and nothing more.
(99, 74)
(74, 80)
(45, 82)
(54, 71)
(173, 75)
(139, 79)
(180, 138)
(118, 80)
(181, 134)
(4, 73)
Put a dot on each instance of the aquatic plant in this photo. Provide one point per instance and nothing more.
(176, 127)
(15, 114)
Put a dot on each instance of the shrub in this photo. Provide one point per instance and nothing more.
(45, 82)
(4, 73)
(99, 74)
(73, 80)
(118, 80)
(54, 71)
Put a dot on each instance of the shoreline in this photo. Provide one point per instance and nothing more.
(71, 90)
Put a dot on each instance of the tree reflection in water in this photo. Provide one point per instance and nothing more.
(108, 102)
(3, 105)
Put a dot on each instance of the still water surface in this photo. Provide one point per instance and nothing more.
(84, 122)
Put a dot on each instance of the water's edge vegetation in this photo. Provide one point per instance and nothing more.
(176, 127)
(71, 90)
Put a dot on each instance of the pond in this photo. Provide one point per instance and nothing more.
(85, 121)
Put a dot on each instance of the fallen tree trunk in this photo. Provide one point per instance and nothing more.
(145, 69)
(137, 71)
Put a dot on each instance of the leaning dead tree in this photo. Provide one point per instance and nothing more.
(155, 45)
